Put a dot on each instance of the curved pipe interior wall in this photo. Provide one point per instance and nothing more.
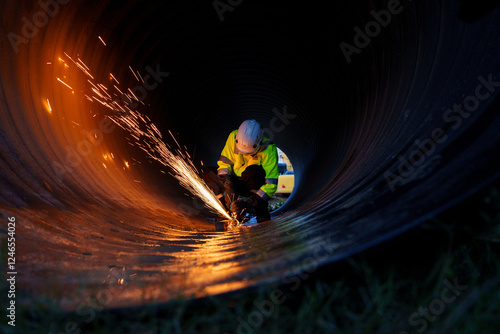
(377, 144)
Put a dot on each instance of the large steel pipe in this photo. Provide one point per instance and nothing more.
(387, 110)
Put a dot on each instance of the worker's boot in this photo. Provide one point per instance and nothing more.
(262, 212)
(260, 207)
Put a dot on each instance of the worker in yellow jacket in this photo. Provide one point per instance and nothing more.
(248, 166)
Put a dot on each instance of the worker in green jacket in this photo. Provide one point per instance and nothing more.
(248, 167)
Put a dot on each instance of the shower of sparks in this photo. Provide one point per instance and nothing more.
(183, 169)
(147, 137)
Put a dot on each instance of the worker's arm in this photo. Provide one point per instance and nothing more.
(270, 165)
(225, 162)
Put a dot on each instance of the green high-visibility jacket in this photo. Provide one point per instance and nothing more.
(233, 161)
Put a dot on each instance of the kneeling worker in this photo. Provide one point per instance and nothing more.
(248, 166)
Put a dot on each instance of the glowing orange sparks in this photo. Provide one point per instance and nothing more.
(148, 138)
(100, 38)
(65, 84)
(88, 69)
(183, 169)
(113, 77)
(133, 73)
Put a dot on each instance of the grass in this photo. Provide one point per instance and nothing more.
(276, 202)
(396, 287)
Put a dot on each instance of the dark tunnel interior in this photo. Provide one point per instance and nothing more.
(388, 111)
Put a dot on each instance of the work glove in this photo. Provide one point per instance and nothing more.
(240, 207)
(249, 205)
(226, 181)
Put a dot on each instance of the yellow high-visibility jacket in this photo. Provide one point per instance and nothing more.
(233, 161)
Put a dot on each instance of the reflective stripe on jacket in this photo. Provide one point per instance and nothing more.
(233, 161)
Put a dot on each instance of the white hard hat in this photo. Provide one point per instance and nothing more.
(249, 136)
